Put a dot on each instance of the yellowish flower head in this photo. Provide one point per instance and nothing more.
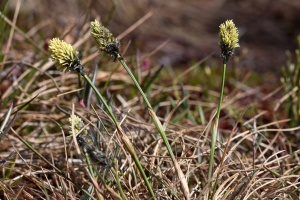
(229, 39)
(78, 124)
(105, 40)
(64, 55)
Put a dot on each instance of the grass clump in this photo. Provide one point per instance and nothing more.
(174, 140)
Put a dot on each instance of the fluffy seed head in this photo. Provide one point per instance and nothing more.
(64, 55)
(105, 40)
(229, 39)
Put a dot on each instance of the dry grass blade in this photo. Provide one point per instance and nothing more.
(170, 56)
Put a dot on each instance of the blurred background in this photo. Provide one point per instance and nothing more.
(183, 31)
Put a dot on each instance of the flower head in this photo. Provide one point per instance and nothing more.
(78, 124)
(228, 39)
(105, 40)
(64, 55)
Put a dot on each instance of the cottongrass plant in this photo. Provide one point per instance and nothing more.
(228, 42)
(66, 58)
(110, 45)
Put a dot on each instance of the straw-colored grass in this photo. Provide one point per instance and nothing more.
(256, 155)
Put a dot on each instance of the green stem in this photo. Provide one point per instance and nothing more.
(160, 129)
(100, 96)
(120, 58)
(119, 183)
(222, 91)
(156, 121)
(128, 145)
(88, 161)
(215, 128)
(162, 133)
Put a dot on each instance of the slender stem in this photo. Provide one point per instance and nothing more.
(87, 158)
(100, 97)
(160, 129)
(216, 125)
(118, 183)
(120, 58)
(162, 133)
(91, 170)
(222, 91)
(125, 139)
(157, 123)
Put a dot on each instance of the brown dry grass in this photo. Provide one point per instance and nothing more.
(257, 155)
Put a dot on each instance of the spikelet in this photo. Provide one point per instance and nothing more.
(106, 42)
(64, 55)
(228, 39)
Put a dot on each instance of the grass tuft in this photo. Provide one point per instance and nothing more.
(162, 132)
